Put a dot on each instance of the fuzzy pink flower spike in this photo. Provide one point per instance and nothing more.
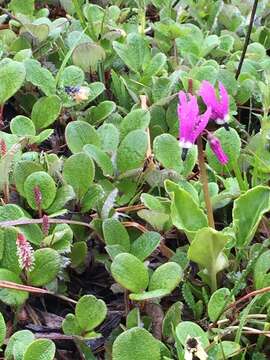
(216, 147)
(220, 106)
(191, 123)
(25, 253)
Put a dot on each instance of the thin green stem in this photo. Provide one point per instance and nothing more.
(204, 181)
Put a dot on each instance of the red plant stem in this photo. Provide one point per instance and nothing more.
(248, 296)
(204, 181)
(1, 115)
(9, 223)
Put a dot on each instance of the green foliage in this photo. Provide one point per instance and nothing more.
(135, 344)
(11, 72)
(40, 349)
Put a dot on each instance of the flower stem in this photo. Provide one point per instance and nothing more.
(204, 181)
(253, 12)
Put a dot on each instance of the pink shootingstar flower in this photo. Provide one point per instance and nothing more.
(219, 105)
(216, 147)
(191, 123)
(25, 253)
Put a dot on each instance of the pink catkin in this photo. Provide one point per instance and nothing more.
(38, 196)
(45, 225)
(25, 253)
(3, 147)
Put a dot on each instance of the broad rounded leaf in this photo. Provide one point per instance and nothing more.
(90, 312)
(185, 212)
(45, 111)
(79, 133)
(168, 153)
(217, 303)
(115, 233)
(79, 172)
(136, 344)
(248, 211)
(40, 77)
(132, 150)
(189, 329)
(148, 295)
(9, 296)
(130, 272)
(136, 119)
(101, 158)
(41, 349)
(21, 172)
(166, 276)
(20, 340)
(22, 126)
(109, 137)
(45, 183)
(12, 76)
(145, 244)
(63, 195)
(87, 56)
(46, 267)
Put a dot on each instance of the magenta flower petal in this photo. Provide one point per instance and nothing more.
(191, 124)
(216, 147)
(220, 106)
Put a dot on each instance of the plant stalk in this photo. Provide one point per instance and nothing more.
(252, 17)
(204, 181)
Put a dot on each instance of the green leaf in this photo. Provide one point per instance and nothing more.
(172, 318)
(248, 211)
(41, 349)
(168, 153)
(46, 267)
(88, 55)
(145, 245)
(189, 329)
(18, 343)
(40, 77)
(22, 126)
(32, 232)
(79, 133)
(136, 344)
(12, 76)
(115, 233)
(132, 150)
(78, 254)
(90, 199)
(109, 137)
(9, 255)
(90, 312)
(63, 195)
(185, 212)
(130, 272)
(206, 250)
(101, 158)
(72, 76)
(21, 172)
(136, 119)
(60, 239)
(35, 34)
(3, 329)
(79, 172)
(26, 8)
(9, 296)
(166, 276)
(148, 295)
(45, 184)
(71, 326)
(97, 114)
(156, 64)
(217, 302)
(45, 111)
(224, 350)
(231, 145)
(261, 270)
(135, 52)
(96, 88)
